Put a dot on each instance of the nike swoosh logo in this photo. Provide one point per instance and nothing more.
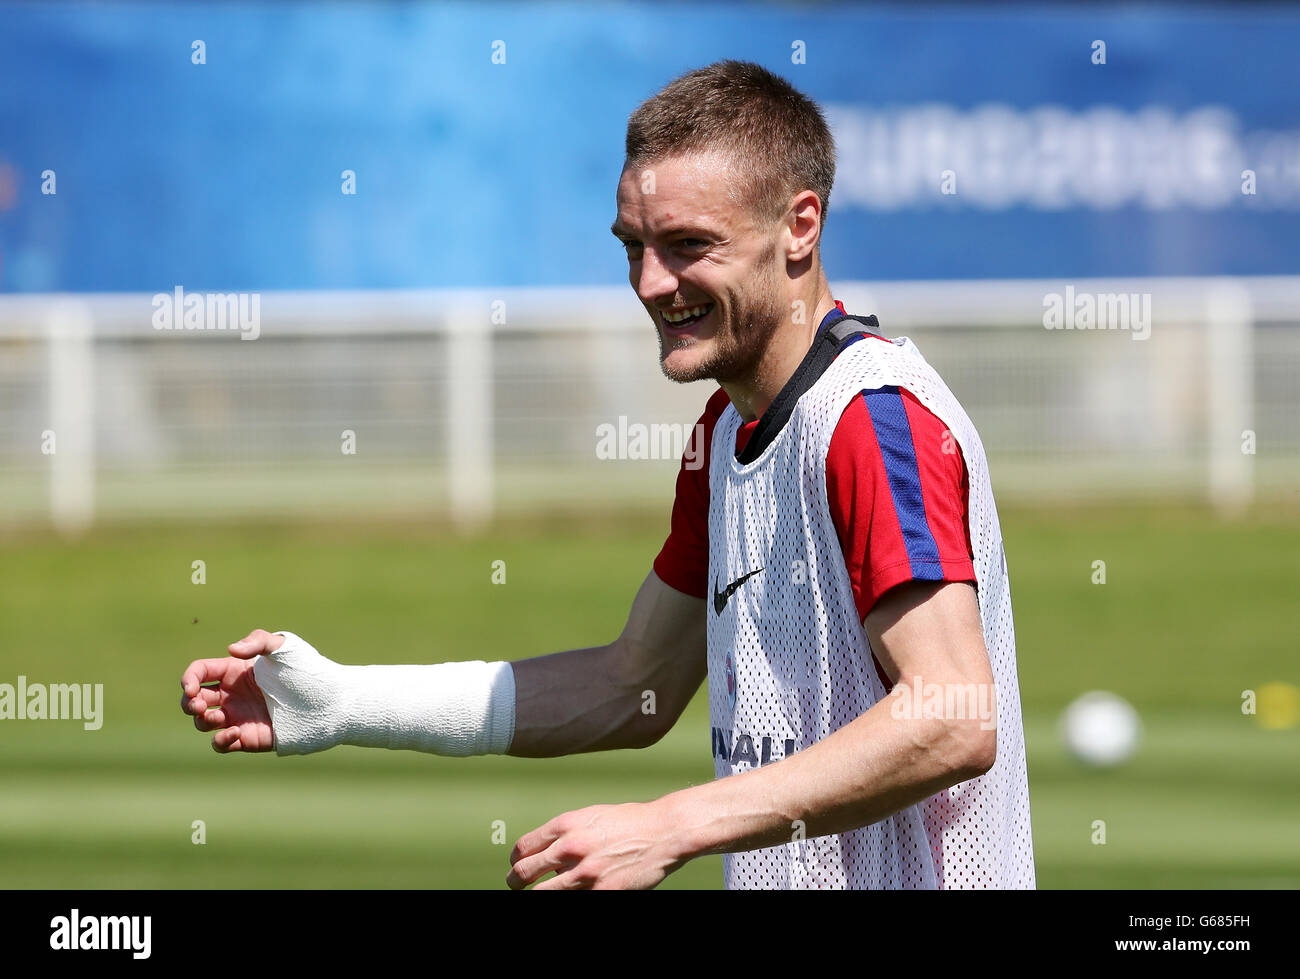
(720, 598)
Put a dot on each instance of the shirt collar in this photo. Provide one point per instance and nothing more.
(837, 313)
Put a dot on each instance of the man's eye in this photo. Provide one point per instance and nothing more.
(693, 243)
(632, 246)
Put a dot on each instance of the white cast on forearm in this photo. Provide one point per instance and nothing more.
(447, 709)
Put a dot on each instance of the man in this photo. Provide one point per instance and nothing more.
(836, 569)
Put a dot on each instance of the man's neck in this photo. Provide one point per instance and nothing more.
(787, 348)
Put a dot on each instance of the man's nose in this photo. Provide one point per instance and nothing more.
(656, 280)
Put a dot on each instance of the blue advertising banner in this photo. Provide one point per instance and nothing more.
(294, 146)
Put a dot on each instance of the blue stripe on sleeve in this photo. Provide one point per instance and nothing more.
(894, 435)
(850, 342)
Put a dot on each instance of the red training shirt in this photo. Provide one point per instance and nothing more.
(897, 488)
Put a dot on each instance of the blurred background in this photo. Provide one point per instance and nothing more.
(380, 425)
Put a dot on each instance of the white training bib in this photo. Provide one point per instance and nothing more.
(790, 662)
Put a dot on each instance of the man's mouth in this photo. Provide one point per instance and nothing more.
(685, 317)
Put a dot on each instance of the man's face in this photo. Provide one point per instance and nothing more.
(707, 268)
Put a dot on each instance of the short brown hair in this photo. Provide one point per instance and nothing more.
(776, 136)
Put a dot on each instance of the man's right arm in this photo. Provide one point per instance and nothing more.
(627, 694)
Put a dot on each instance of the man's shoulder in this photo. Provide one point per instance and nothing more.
(718, 403)
(878, 417)
(695, 458)
(892, 373)
(890, 412)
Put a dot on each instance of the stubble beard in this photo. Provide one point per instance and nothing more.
(739, 345)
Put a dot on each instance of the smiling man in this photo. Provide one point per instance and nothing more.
(835, 569)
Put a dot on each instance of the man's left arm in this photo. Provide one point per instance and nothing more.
(922, 633)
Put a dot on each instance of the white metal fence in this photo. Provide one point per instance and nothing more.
(471, 403)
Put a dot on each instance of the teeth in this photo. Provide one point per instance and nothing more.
(685, 314)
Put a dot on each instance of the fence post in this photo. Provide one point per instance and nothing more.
(71, 406)
(1231, 401)
(470, 434)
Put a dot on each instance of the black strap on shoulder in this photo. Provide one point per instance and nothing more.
(843, 327)
(824, 350)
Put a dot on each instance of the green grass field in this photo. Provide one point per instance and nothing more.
(1193, 613)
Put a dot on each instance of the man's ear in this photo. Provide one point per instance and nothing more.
(805, 224)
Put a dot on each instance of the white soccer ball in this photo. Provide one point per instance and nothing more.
(1101, 729)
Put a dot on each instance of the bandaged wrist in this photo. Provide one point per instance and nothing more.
(455, 709)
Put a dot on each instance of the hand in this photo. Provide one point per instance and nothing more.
(598, 848)
(235, 708)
